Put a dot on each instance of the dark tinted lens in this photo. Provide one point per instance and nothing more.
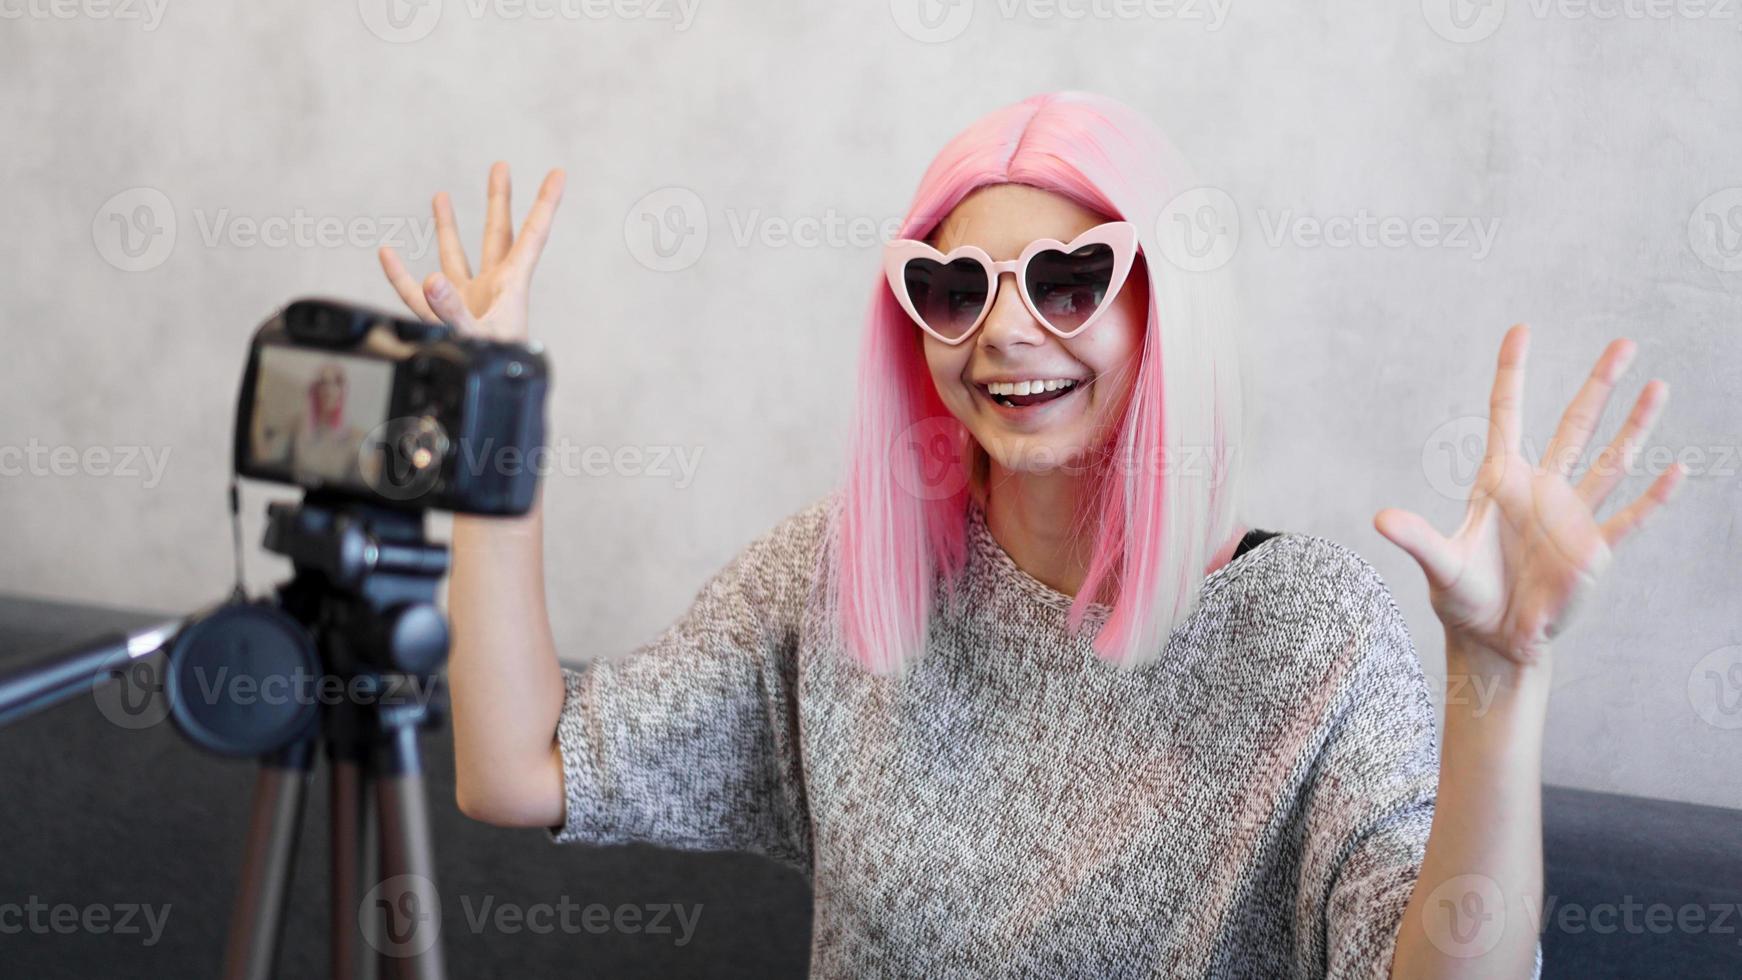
(1068, 288)
(948, 298)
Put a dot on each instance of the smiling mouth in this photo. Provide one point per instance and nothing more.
(1017, 402)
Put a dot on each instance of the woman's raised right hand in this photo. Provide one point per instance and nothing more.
(492, 303)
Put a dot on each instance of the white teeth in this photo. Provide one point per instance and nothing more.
(1028, 387)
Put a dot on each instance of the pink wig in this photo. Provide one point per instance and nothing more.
(334, 416)
(1158, 519)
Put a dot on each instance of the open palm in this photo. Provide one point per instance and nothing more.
(1530, 548)
(491, 303)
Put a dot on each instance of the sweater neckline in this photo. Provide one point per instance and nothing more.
(1006, 569)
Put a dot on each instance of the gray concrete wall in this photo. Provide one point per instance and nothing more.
(173, 171)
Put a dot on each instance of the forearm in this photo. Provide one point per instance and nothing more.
(505, 683)
(1477, 905)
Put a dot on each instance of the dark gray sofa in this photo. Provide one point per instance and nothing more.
(98, 818)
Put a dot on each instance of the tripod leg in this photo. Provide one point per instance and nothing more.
(354, 927)
(408, 858)
(257, 917)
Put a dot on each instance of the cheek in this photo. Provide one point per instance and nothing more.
(1131, 310)
(946, 364)
(1114, 343)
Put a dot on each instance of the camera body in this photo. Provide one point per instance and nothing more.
(363, 404)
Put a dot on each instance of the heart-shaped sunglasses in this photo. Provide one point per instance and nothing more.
(1065, 285)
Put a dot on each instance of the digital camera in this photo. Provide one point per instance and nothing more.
(401, 413)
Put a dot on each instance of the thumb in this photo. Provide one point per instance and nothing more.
(448, 304)
(1415, 535)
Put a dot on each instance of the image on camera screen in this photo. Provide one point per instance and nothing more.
(313, 413)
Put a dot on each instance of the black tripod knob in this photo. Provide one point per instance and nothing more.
(411, 637)
(241, 681)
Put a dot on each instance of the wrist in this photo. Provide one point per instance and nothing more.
(1486, 681)
(475, 529)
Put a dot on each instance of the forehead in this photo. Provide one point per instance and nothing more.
(1003, 218)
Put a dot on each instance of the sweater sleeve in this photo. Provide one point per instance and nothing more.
(691, 740)
(1370, 804)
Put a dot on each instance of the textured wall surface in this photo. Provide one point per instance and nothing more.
(1409, 180)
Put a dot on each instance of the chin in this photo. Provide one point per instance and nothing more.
(1037, 452)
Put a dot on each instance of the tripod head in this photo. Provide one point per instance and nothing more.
(366, 581)
(358, 616)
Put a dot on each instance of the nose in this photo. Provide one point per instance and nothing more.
(1008, 323)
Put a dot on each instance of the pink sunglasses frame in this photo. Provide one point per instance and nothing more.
(1121, 236)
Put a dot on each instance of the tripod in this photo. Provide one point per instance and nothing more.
(358, 615)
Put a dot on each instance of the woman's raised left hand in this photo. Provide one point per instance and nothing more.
(1531, 548)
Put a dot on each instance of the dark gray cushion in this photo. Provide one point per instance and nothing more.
(1639, 887)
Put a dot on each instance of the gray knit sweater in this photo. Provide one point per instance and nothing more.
(1255, 803)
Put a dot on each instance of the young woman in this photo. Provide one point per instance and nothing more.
(1022, 696)
(322, 443)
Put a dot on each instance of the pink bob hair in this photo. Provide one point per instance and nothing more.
(1157, 520)
(334, 417)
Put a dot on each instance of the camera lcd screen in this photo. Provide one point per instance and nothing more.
(318, 416)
